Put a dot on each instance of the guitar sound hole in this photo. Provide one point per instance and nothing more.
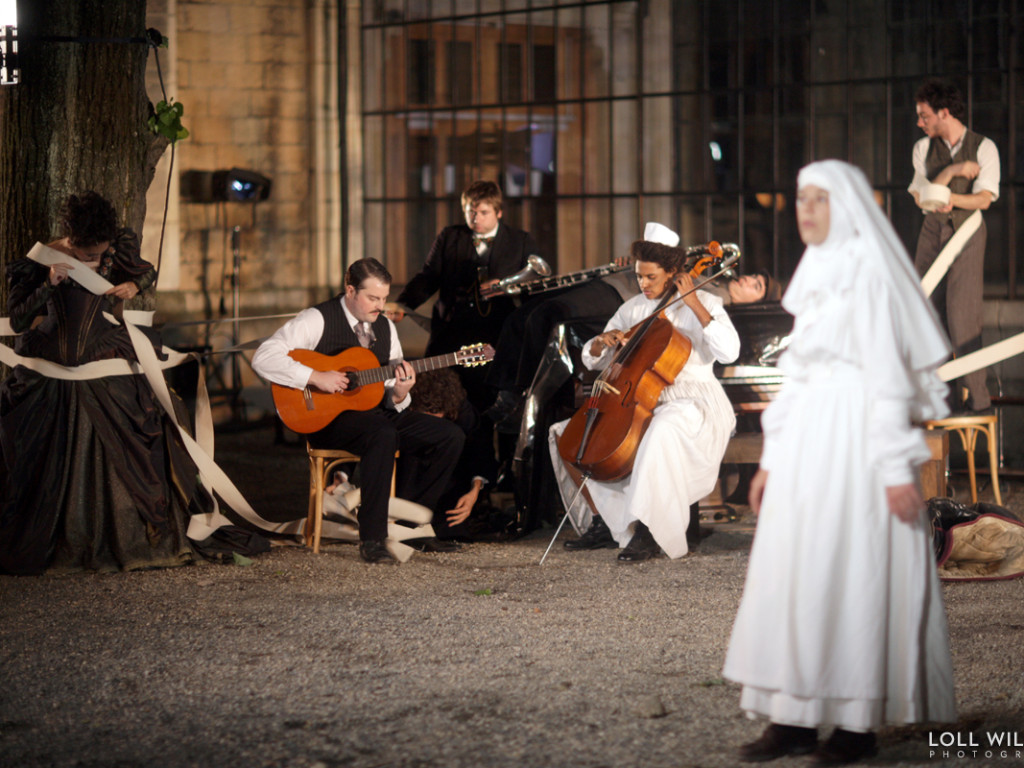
(353, 380)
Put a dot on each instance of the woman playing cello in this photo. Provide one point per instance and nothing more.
(678, 457)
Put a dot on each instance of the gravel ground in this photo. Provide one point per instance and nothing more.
(478, 658)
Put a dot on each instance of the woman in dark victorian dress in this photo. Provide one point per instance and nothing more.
(94, 475)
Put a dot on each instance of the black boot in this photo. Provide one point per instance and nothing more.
(693, 529)
(597, 536)
(641, 547)
(779, 741)
(845, 747)
(373, 551)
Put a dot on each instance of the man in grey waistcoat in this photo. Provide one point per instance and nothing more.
(952, 155)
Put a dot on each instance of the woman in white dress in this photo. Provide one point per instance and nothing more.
(678, 458)
(841, 622)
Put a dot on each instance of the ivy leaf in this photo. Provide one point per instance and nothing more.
(166, 121)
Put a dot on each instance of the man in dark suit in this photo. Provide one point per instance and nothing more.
(464, 258)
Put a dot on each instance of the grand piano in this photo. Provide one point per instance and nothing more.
(561, 384)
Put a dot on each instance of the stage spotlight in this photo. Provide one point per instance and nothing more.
(242, 186)
(236, 185)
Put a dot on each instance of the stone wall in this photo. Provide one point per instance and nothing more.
(259, 83)
(257, 79)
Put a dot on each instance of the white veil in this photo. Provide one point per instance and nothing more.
(859, 233)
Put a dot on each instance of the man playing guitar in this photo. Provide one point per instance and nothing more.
(430, 447)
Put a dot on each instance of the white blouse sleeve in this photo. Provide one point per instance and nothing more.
(896, 447)
(989, 175)
(920, 180)
(720, 333)
(620, 321)
(396, 356)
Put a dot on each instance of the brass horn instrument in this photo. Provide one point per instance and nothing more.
(535, 267)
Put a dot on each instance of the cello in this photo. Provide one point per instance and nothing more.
(602, 438)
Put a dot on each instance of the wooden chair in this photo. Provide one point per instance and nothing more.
(322, 462)
(968, 427)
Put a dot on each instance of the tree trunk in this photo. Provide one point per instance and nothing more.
(77, 120)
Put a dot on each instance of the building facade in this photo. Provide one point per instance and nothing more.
(370, 116)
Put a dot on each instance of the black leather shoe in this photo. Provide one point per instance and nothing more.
(434, 545)
(641, 547)
(845, 747)
(374, 552)
(597, 536)
(693, 530)
(779, 741)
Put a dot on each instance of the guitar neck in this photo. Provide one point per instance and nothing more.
(376, 375)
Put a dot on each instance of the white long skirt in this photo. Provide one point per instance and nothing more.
(841, 621)
(677, 464)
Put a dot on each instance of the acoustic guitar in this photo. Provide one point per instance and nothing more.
(308, 410)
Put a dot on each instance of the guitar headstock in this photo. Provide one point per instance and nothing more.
(475, 354)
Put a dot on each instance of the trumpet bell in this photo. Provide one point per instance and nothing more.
(535, 267)
(538, 265)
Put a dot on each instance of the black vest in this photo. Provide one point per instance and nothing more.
(938, 157)
(338, 334)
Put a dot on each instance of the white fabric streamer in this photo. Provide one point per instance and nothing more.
(200, 448)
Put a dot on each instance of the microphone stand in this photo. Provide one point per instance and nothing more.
(236, 376)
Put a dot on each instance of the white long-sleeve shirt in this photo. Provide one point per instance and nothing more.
(304, 331)
(718, 341)
(988, 162)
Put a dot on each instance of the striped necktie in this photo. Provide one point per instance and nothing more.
(364, 334)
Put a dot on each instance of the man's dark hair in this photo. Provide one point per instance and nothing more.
(88, 219)
(772, 287)
(482, 192)
(665, 256)
(439, 393)
(358, 271)
(941, 94)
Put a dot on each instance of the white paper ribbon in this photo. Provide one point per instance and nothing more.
(86, 277)
(200, 448)
(948, 254)
(983, 358)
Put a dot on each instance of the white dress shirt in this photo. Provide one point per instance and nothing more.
(988, 161)
(482, 247)
(304, 331)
